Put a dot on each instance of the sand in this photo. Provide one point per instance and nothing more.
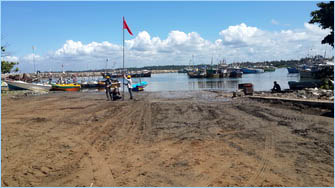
(198, 138)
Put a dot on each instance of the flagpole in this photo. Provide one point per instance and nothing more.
(123, 57)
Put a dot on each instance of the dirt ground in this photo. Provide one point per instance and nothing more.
(198, 138)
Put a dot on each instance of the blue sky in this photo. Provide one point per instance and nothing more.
(48, 25)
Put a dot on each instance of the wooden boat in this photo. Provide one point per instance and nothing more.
(66, 87)
(20, 85)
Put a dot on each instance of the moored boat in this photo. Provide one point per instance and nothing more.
(90, 84)
(269, 69)
(66, 87)
(20, 85)
(292, 70)
(235, 72)
(252, 70)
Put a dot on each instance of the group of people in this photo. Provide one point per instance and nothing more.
(112, 88)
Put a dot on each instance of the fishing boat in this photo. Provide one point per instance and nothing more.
(197, 73)
(292, 70)
(212, 73)
(269, 69)
(306, 73)
(66, 87)
(251, 71)
(145, 73)
(21, 85)
(90, 84)
(235, 72)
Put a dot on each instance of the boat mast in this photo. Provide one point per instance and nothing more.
(34, 58)
(106, 65)
(193, 61)
(123, 58)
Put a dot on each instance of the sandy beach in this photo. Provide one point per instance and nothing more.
(193, 138)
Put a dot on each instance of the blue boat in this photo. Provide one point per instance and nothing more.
(251, 71)
(292, 70)
(248, 71)
(139, 86)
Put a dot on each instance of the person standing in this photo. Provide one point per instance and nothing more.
(108, 84)
(129, 85)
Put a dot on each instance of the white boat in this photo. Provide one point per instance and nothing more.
(20, 85)
(4, 84)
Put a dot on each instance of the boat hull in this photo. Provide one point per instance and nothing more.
(139, 86)
(20, 85)
(292, 70)
(302, 85)
(66, 87)
(248, 71)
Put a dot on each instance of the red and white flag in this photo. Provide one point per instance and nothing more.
(125, 26)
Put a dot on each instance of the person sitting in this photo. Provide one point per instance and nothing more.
(115, 91)
(276, 88)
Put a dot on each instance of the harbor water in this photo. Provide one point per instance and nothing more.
(180, 81)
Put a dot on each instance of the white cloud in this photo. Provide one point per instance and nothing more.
(235, 43)
(241, 35)
(32, 57)
(11, 58)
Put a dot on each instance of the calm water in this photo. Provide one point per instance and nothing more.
(180, 81)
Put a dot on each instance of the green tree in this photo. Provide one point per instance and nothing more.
(6, 66)
(325, 17)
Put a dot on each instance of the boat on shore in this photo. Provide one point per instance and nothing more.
(21, 85)
(4, 85)
(139, 86)
(66, 87)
